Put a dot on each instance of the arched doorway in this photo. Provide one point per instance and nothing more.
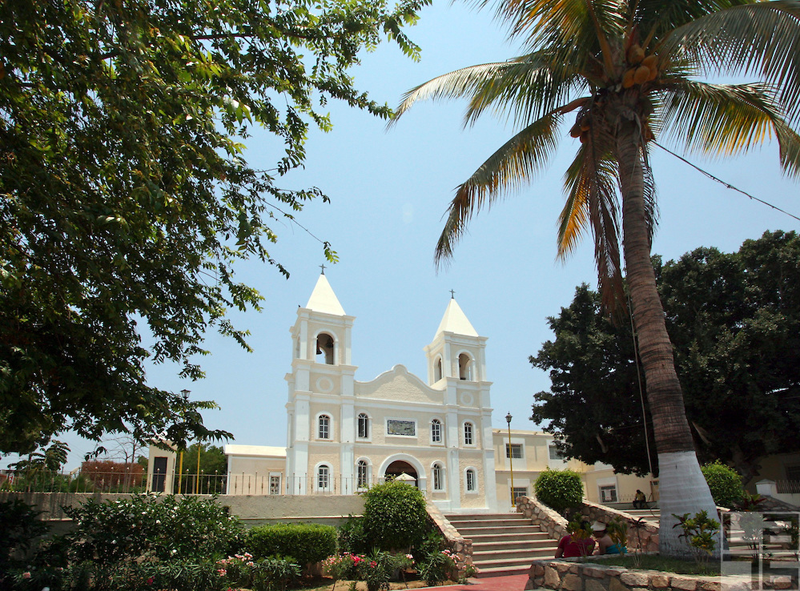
(399, 467)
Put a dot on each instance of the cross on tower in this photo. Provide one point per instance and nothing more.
(452, 294)
(323, 268)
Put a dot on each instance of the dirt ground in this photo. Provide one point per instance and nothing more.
(322, 585)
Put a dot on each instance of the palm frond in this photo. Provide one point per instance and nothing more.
(761, 38)
(720, 119)
(461, 83)
(526, 89)
(655, 18)
(592, 202)
(508, 169)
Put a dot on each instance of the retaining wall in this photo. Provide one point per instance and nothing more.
(567, 575)
(640, 535)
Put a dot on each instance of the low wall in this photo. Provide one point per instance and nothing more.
(252, 510)
(461, 547)
(573, 576)
(640, 535)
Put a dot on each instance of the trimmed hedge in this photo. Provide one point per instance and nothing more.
(395, 516)
(559, 489)
(306, 543)
(724, 483)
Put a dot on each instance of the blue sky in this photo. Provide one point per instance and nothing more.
(389, 190)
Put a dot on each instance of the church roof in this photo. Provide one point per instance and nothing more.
(323, 299)
(456, 321)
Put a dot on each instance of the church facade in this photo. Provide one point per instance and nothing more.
(344, 435)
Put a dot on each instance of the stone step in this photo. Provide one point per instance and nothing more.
(536, 537)
(514, 545)
(522, 530)
(503, 543)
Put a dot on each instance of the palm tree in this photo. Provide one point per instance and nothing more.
(631, 73)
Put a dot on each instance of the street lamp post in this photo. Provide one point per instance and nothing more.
(510, 459)
(185, 393)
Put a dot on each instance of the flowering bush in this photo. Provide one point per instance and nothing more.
(239, 569)
(166, 528)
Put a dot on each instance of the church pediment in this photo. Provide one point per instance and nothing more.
(400, 385)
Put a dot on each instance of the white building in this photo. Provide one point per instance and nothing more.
(344, 435)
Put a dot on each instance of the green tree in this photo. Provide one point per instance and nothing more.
(593, 407)
(630, 72)
(735, 324)
(559, 489)
(725, 484)
(125, 199)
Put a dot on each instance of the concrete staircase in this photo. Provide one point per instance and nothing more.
(503, 543)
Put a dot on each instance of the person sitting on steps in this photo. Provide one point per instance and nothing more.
(639, 501)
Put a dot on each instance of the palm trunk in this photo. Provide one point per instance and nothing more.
(682, 487)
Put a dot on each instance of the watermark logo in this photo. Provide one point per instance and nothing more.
(760, 551)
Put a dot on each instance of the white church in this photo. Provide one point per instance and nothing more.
(344, 435)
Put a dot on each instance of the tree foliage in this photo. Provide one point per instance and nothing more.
(734, 320)
(724, 483)
(125, 199)
(559, 489)
(395, 516)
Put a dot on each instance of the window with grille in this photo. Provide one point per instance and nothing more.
(363, 426)
(472, 484)
(519, 491)
(608, 494)
(274, 485)
(514, 450)
(468, 438)
(438, 477)
(324, 427)
(555, 454)
(323, 477)
(436, 431)
(362, 474)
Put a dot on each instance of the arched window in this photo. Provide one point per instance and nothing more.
(324, 427)
(438, 477)
(471, 480)
(436, 431)
(464, 367)
(437, 373)
(469, 438)
(325, 348)
(362, 474)
(363, 426)
(323, 477)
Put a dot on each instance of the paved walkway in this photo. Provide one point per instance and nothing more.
(507, 583)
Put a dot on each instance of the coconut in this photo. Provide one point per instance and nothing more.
(641, 75)
(635, 54)
(627, 79)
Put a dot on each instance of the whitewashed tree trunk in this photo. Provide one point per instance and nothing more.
(682, 489)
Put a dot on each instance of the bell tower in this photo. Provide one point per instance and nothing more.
(457, 364)
(321, 384)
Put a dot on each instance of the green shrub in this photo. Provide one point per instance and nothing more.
(351, 536)
(306, 543)
(20, 527)
(725, 484)
(559, 489)
(275, 574)
(166, 528)
(395, 517)
(437, 567)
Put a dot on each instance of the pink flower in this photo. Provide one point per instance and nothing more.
(150, 581)
(26, 575)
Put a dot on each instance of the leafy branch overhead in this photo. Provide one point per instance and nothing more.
(125, 198)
